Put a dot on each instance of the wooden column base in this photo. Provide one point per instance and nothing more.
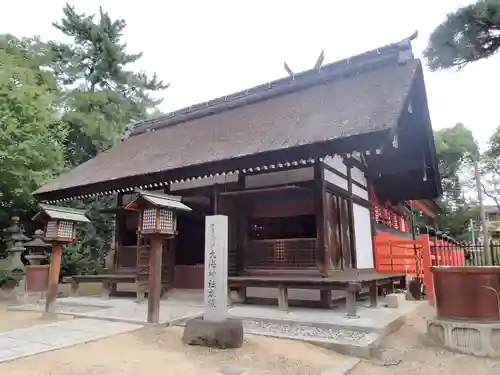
(283, 298)
(326, 299)
(374, 294)
(350, 295)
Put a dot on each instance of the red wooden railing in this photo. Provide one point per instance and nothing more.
(415, 257)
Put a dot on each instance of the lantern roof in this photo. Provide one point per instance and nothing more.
(37, 241)
(160, 200)
(60, 213)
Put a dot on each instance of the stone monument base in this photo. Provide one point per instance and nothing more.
(227, 334)
(480, 339)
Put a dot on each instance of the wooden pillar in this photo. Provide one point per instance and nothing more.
(326, 299)
(374, 294)
(371, 197)
(426, 268)
(350, 213)
(319, 197)
(154, 290)
(242, 230)
(119, 223)
(351, 291)
(53, 282)
(216, 199)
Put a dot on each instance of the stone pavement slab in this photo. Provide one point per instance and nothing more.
(119, 309)
(380, 319)
(25, 342)
(329, 328)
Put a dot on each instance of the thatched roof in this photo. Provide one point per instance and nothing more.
(364, 94)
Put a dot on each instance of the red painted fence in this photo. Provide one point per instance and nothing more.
(414, 258)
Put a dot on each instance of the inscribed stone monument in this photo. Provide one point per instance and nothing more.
(216, 234)
(215, 329)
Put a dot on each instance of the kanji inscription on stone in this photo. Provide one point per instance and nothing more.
(216, 243)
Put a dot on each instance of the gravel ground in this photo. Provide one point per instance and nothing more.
(161, 352)
(409, 351)
(17, 319)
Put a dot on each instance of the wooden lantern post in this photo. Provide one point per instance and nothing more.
(60, 229)
(158, 221)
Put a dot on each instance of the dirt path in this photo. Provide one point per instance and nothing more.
(410, 352)
(144, 352)
(17, 319)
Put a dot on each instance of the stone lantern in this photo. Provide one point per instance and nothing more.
(60, 228)
(15, 244)
(37, 248)
(157, 221)
(36, 275)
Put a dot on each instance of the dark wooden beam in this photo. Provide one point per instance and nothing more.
(372, 221)
(400, 164)
(350, 210)
(242, 230)
(264, 190)
(119, 221)
(370, 141)
(337, 190)
(322, 254)
(216, 198)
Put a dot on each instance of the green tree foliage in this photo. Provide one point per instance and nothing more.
(455, 148)
(490, 169)
(87, 254)
(469, 34)
(101, 96)
(31, 135)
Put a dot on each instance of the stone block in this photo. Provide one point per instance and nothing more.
(392, 300)
(236, 296)
(479, 339)
(223, 335)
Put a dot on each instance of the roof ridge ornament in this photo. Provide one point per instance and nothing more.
(405, 51)
(319, 60)
(289, 70)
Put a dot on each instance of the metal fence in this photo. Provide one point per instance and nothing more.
(464, 254)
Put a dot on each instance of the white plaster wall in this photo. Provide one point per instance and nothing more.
(336, 163)
(335, 179)
(359, 176)
(279, 178)
(360, 192)
(364, 240)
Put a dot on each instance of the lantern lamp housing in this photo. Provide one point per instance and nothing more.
(157, 212)
(60, 222)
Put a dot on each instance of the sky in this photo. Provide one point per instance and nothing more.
(206, 49)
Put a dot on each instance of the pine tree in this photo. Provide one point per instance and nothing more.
(469, 34)
(102, 96)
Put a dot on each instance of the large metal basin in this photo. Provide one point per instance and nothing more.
(467, 293)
